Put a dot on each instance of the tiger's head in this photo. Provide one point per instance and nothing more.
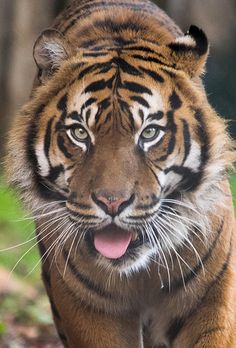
(122, 138)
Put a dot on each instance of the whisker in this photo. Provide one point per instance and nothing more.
(38, 241)
(70, 233)
(156, 242)
(44, 257)
(185, 240)
(41, 207)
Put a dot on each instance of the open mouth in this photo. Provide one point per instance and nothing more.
(113, 242)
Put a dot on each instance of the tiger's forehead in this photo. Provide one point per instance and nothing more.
(86, 108)
(109, 92)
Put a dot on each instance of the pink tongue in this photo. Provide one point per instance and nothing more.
(112, 243)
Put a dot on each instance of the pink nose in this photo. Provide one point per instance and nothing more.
(111, 204)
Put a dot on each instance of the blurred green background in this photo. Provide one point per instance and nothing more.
(22, 303)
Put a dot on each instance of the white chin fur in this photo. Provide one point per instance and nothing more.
(130, 266)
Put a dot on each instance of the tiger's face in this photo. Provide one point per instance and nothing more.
(118, 140)
(119, 151)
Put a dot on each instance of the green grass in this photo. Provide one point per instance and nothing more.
(233, 188)
(14, 231)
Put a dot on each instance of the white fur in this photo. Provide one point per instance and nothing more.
(55, 52)
(186, 40)
(44, 166)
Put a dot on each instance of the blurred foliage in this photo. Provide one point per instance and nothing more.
(25, 315)
(16, 235)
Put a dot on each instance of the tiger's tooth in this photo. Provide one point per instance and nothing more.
(134, 236)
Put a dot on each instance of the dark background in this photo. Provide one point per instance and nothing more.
(21, 21)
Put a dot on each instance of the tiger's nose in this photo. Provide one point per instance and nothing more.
(110, 203)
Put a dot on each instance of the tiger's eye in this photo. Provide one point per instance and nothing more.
(80, 134)
(149, 133)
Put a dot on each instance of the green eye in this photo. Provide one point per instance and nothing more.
(149, 133)
(79, 134)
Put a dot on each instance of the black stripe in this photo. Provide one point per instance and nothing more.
(62, 147)
(156, 177)
(87, 116)
(95, 54)
(178, 323)
(87, 10)
(140, 100)
(86, 104)
(96, 86)
(87, 70)
(63, 339)
(174, 329)
(208, 332)
(62, 103)
(62, 106)
(111, 26)
(170, 149)
(69, 168)
(175, 101)
(54, 310)
(116, 27)
(101, 67)
(190, 179)
(48, 193)
(42, 189)
(97, 117)
(198, 267)
(203, 136)
(78, 300)
(153, 74)
(171, 74)
(39, 111)
(47, 138)
(88, 283)
(41, 246)
(107, 118)
(46, 278)
(156, 116)
(55, 172)
(187, 140)
(171, 145)
(150, 59)
(126, 67)
(104, 68)
(74, 115)
(140, 48)
(141, 114)
(136, 87)
(125, 108)
(118, 43)
(105, 103)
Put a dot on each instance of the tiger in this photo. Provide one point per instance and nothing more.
(124, 166)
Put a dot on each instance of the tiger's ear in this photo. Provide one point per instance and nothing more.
(189, 52)
(50, 50)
